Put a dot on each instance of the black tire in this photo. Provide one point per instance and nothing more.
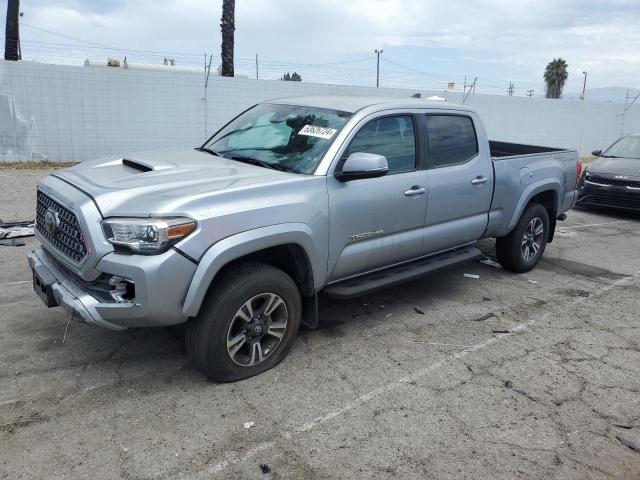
(207, 334)
(509, 249)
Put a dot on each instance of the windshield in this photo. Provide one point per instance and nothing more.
(627, 147)
(286, 137)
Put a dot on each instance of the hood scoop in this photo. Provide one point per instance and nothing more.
(144, 166)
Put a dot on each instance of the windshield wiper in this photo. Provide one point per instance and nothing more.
(211, 151)
(260, 163)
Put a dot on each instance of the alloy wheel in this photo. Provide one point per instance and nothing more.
(532, 239)
(257, 329)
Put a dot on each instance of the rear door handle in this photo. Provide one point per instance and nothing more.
(415, 191)
(479, 180)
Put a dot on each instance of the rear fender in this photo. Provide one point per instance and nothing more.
(530, 192)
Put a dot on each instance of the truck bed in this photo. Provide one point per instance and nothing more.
(519, 171)
(503, 150)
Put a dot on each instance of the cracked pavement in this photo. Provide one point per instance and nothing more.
(379, 391)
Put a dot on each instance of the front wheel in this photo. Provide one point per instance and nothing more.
(521, 250)
(247, 324)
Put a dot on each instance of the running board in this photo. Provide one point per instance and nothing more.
(402, 273)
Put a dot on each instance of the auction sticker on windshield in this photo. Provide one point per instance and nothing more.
(320, 132)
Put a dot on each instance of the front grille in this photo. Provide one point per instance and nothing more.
(608, 200)
(620, 182)
(67, 238)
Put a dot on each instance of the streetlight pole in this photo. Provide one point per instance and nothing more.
(584, 85)
(378, 53)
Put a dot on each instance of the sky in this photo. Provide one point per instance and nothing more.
(425, 43)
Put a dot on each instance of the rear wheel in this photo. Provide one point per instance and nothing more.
(247, 324)
(521, 250)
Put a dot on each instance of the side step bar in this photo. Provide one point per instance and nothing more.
(402, 273)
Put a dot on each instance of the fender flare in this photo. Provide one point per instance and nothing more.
(244, 243)
(530, 192)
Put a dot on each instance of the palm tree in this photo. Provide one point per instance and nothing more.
(12, 31)
(555, 75)
(227, 27)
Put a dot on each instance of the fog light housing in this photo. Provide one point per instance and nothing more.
(123, 291)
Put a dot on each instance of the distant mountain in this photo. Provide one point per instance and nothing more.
(609, 94)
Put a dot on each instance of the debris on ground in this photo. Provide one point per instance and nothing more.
(628, 443)
(16, 229)
(471, 275)
(249, 424)
(12, 242)
(500, 331)
(532, 281)
(484, 317)
(16, 223)
(418, 310)
(265, 468)
(620, 425)
(508, 383)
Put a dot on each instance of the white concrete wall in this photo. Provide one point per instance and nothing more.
(64, 113)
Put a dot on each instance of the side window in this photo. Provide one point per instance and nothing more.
(452, 140)
(392, 137)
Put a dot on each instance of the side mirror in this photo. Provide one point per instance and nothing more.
(596, 153)
(362, 165)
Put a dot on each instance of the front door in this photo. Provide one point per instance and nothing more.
(376, 222)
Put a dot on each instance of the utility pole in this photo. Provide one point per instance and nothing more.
(207, 72)
(257, 66)
(510, 89)
(584, 86)
(378, 53)
(472, 88)
(627, 106)
(530, 93)
(12, 32)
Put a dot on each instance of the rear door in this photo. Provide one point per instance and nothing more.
(460, 180)
(376, 222)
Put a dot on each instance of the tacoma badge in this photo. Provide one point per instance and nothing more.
(358, 236)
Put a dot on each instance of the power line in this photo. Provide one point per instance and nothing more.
(344, 71)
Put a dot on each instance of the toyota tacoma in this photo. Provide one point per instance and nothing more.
(293, 197)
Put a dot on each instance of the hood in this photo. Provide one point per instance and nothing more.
(164, 181)
(629, 167)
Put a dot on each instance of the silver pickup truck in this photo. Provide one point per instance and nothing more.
(293, 197)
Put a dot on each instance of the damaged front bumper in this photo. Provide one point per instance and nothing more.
(160, 281)
(56, 288)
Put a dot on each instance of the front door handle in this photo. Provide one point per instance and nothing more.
(415, 191)
(479, 180)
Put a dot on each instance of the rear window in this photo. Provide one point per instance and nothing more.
(452, 140)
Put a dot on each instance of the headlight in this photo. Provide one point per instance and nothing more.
(585, 175)
(147, 235)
